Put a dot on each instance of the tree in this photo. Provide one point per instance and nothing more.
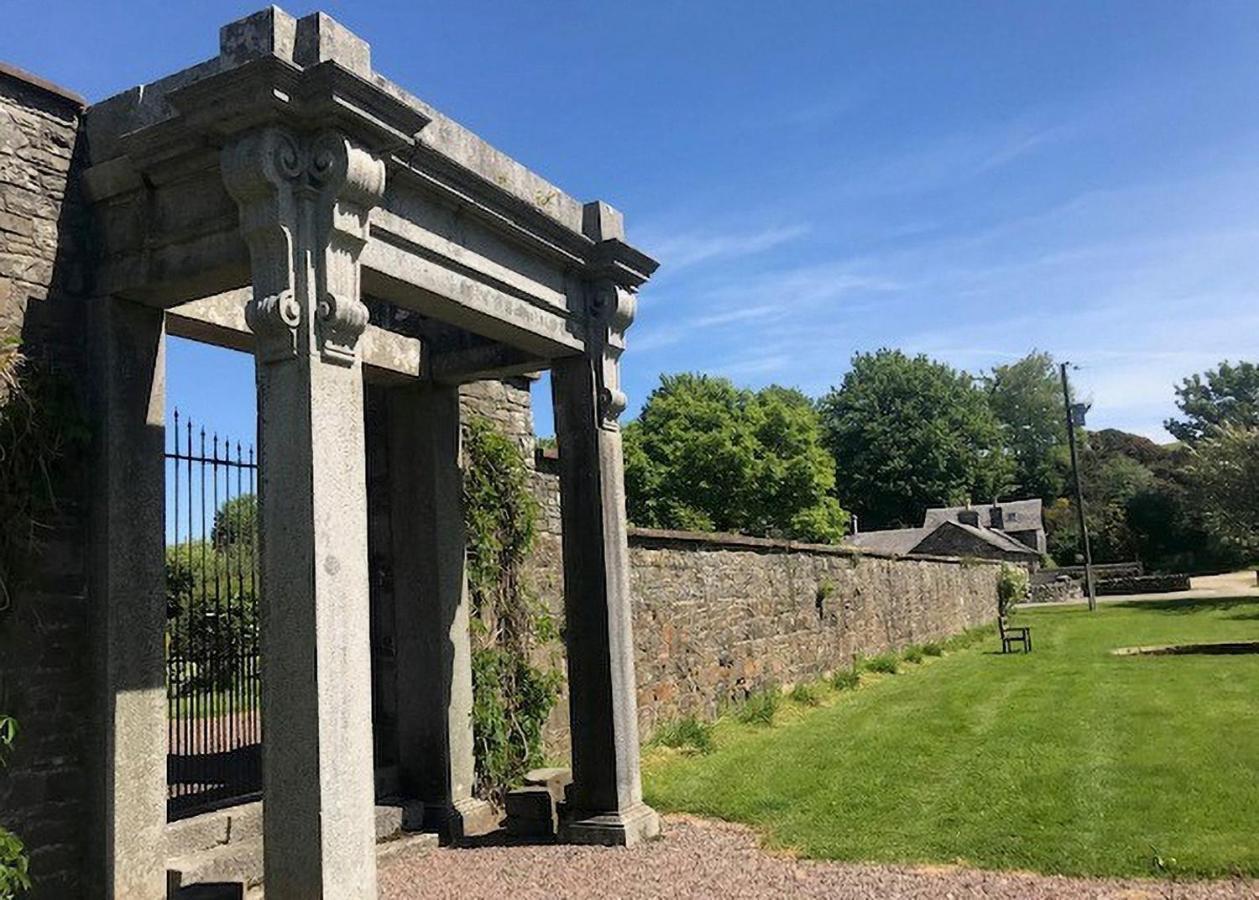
(1228, 395)
(910, 433)
(1026, 398)
(235, 521)
(1224, 473)
(707, 456)
(1139, 506)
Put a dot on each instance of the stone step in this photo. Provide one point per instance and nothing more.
(234, 870)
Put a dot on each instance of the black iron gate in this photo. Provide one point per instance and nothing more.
(212, 656)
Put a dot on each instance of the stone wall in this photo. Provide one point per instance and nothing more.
(43, 634)
(717, 617)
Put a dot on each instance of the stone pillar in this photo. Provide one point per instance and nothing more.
(605, 804)
(434, 657)
(129, 583)
(304, 201)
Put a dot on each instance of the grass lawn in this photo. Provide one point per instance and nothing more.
(1069, 760)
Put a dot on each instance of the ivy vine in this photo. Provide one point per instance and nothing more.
(515, 681)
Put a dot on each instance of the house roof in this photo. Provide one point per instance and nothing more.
(905, 541)
(1018, 515)
(995, 538)
(895, 540)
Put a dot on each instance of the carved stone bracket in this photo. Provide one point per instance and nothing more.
(612, 310)
(304, 203)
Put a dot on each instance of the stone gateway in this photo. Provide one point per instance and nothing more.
(285, 198)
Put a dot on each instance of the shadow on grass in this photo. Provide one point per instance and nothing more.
(1188, 606)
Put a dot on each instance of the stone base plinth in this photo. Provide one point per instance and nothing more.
(619, 829)
(466, 818)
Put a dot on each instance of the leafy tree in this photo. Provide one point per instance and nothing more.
(707, 456)
(1224, 472)
(1228, 395)
(1026, 398)
(235, 520)
(910, 433)
(1139, 506)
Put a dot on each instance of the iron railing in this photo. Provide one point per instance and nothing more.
(213, 677)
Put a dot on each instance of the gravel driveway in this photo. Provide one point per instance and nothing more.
(698, 858)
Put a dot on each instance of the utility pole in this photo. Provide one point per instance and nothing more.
(1073, 413)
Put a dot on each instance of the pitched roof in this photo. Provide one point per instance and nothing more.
(904, 541)
(998, 539)
(895, 540)
(1018, 515)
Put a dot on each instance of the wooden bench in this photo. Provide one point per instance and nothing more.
(1012, 636)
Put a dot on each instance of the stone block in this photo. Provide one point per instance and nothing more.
(531, 812)
(270, 32)
(555, 780)
(321, 38)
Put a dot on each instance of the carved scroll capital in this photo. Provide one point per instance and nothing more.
(260, 171)
(612, 309)
(350, 182)
(304, 197)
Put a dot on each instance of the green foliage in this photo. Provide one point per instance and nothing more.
(42, 434)
(1140, 505)
(846, 679)
(1227, 395)
(1012, 586)
(211, 611)
(1224, 474)
(688, 733)
(933, 649)
(512, 695)
(761, 707)
(883, 664)
(14, 865)
(913, 654)
(14, 875)
(235, 522)
(908, 433)
(1026, 398)
(707, 456)
(805, 695)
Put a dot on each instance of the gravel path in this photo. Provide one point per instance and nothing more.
(698, 858)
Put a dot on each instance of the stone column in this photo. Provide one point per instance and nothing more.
(434, 657)
(605, 804)
(304, 202)
(129, 584)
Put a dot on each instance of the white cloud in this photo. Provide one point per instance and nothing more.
(680, 251)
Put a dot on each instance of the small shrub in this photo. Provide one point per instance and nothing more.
(884, 663)
(760, 708)
(688, 733)
(846, 679)
(1012, 586)
(913, 654)
(805, 695)
(14, 875)
(933, 649)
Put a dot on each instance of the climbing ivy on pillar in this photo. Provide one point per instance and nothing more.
(511, 627)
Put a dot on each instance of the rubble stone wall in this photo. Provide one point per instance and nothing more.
(44, 646)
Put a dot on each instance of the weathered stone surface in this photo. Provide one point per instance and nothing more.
(46, 789)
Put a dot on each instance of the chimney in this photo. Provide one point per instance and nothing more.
(855, 528)
(968, 517)
(996, 517)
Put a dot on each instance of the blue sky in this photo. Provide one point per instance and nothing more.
(971, 181)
